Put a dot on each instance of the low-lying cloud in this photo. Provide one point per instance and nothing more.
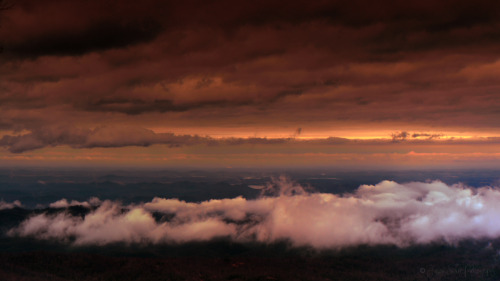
(64, 203)
(385, 213)
(6, 205)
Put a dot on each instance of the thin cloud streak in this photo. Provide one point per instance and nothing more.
(123, 136)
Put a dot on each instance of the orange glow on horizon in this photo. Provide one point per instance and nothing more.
(220, 133)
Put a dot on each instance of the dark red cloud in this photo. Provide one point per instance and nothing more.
(90, 63)
(76, 27)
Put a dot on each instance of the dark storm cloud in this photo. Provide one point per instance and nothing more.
(98, 137)
(118, 136)
(4, 5)
(138, 106)
(85, 26)
(420, 62)
(33, 28)
(98, 36)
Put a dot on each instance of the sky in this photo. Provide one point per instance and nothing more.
(381, 84)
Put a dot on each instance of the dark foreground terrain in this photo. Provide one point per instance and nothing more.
(223, 260)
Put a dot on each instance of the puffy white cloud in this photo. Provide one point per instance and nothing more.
(386, 213)
(111, 223)
(6, 205)
(64, 203)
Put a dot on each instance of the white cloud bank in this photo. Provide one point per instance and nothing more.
(386, 213)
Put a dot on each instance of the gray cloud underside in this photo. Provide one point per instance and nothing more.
(122, 136)
(386, 213)
(435, 24)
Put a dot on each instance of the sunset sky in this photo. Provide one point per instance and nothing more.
(361, 84)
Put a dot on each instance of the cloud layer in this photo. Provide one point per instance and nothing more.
(386, 213)
(122, 136)
(200, 64)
